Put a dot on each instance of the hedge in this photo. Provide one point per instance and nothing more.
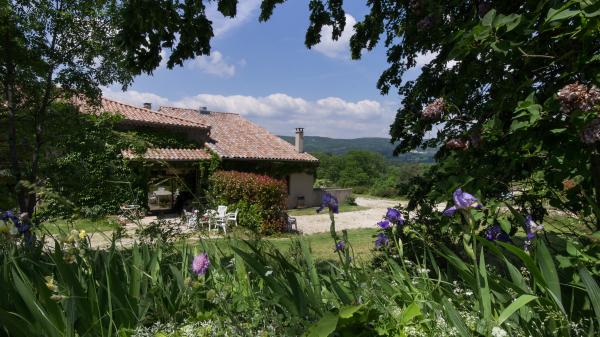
(267, 194)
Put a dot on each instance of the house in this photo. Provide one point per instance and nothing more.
(238, 143)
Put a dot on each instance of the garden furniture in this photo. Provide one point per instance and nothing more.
(208, 218)
(130, 212)
(191, 218)
(221, 219)
(161, 194)
(232, 217)
(290, 222)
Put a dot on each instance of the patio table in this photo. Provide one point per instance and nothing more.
(163, 195)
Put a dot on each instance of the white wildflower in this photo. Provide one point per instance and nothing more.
(499, 332)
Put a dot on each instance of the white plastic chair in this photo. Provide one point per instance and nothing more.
(222, 218)
(232, 217)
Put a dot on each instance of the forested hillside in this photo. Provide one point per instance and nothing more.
(381, 145)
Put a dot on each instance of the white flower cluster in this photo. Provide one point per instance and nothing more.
(499, 332)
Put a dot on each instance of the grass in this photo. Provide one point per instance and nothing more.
(321, 244)
(57, 226)
(313, 210)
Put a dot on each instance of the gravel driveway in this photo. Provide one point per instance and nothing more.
(320, 223)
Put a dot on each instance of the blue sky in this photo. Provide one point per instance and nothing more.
(264, 72)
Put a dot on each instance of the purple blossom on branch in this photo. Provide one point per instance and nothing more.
(434, 110)
(457, 144)
(591, 133)
(329, 201)
(425, 23)
(577, 96)
(340, 246)
(462, 200)
(200, 264)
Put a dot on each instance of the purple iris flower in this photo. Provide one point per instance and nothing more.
(23, 225)
(462, 200)
(340, 246)
(382, 240)
(394, 216)
(330, 202)
(384, 224)
(495, 233)
(531, 227)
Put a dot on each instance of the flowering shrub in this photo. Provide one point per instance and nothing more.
(268, 194)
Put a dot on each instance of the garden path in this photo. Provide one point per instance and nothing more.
(367, 218)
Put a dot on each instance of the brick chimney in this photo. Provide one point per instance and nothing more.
(300, 140)
(148, 106)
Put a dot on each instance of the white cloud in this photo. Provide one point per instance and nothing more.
(339, 48)
(213, 64)
(281, 113)
(134, 97)
(222, 25)
(425, 59)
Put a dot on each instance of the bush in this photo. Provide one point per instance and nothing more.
(249, 216)
(351, 200)
(266, 194)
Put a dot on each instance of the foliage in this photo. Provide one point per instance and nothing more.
(49, 53)
(366, 172)
(84, 165)
(511, 60)
(249, 216)
(266, 194)
(416, 287)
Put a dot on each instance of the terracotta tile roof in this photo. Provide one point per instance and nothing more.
(169, 154)
(140, 116)
(234, 137)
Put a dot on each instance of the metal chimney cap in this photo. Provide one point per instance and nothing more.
(203, 110)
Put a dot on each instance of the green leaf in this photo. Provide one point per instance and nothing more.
(505, 224)
(409, 313)
(324, 327)
(349, 310)
(455, 318)
(514, 306)
(560, 14)
(488, 18)
(510, 21)
(548, 268)
(501, 46)
(592, 289)
(484, 289)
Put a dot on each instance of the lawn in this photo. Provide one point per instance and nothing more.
(361, 241)
(313, 210)
(321, 244)
(57, 226)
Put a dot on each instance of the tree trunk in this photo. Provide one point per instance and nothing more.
(11, 102)
(595, 169)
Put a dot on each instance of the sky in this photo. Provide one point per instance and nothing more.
(264, 72)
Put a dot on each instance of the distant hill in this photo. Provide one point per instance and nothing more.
(381, 145)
